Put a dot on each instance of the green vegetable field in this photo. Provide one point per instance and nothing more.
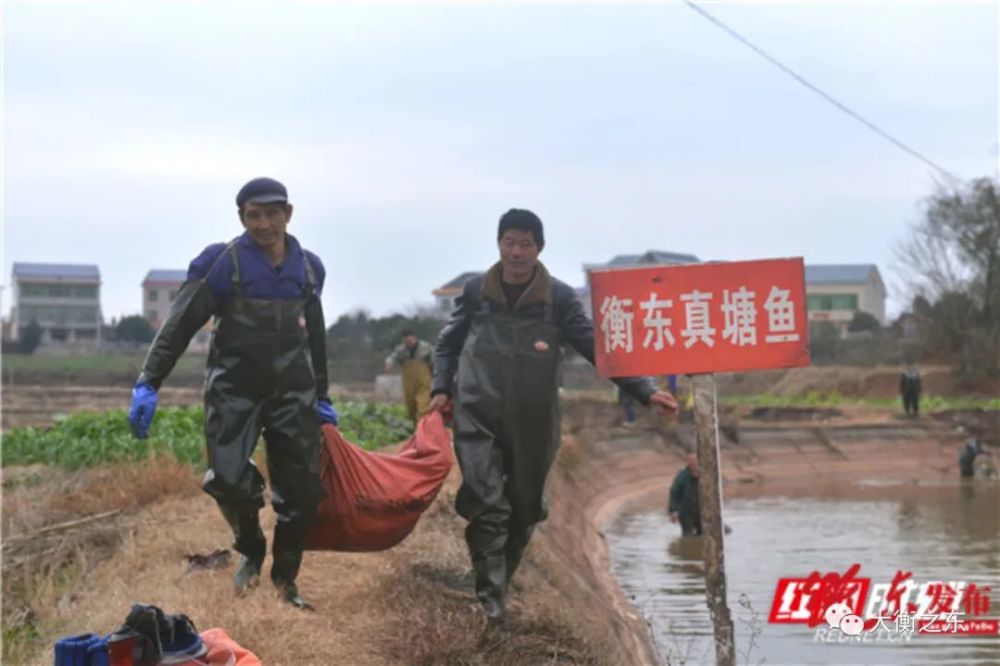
(86, 439)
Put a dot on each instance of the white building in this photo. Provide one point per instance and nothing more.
(835, 292)
(63, 299)
(445, 295)
(159, 291)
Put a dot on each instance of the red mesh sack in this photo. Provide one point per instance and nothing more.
(374, 500)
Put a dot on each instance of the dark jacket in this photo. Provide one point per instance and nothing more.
(909, 383)
(575, 328)
(684, 494)
(210, 285)
(967, 457)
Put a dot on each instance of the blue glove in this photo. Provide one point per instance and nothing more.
(140, 414)
(327, 414)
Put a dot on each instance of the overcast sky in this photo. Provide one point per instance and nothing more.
(404, 131)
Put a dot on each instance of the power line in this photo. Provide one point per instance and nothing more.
(829, 98)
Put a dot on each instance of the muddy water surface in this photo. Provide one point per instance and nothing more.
(945, 531)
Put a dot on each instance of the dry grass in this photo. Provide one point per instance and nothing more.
(38, 496)
(436, 621)
(444, 629)
(410, 605)
(46, 554)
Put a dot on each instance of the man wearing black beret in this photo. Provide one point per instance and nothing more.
(266, 372)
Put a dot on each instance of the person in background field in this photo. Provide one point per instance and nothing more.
(416, 359)
(909, 389)
(968, 454)
(503, 342)
(266, 374)
(684, 503)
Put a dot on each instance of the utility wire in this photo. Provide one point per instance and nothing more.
(829, 98)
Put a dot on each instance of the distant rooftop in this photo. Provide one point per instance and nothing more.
(165, 275)
(649, 257)
(625, 260)
(57, 271)
(459, 282)
(839, 273)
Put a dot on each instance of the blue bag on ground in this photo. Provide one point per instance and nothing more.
(82, 650)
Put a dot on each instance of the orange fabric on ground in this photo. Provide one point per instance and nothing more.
(223, 651)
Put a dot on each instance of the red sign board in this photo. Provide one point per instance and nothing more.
(700, 318)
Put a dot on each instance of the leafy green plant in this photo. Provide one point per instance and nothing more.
(86, 439)
(373, 425)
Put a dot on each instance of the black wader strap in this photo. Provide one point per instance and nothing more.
(310, 275)
(234, 277)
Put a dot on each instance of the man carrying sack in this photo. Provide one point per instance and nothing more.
(503, 340)
(266, 372)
